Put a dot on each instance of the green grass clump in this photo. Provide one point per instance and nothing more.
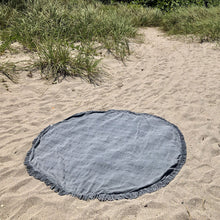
(44, 26)
(65, 33)
(59, 59)
(199, 21)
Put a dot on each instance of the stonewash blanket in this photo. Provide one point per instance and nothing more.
(107, 155)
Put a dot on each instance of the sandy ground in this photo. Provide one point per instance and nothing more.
(170, 78)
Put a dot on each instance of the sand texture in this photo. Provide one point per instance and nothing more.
(173, 79)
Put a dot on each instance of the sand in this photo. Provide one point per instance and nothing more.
(176, 80)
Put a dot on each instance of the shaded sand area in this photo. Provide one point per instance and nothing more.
(170, 78)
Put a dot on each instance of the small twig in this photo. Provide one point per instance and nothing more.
(203, 204)
(44, 91)
(8, 76)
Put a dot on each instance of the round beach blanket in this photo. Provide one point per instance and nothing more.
(107, 155)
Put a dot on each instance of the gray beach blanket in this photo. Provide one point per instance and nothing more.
(107, 155)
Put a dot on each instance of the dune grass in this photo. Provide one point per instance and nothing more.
(65, 33)
(53, 27)
(200, 21)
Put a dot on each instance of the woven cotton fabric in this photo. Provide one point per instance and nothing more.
(107, 155)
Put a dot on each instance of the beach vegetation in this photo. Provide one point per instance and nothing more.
(67, 35)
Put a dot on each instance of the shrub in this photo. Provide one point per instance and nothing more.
(168, 5)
